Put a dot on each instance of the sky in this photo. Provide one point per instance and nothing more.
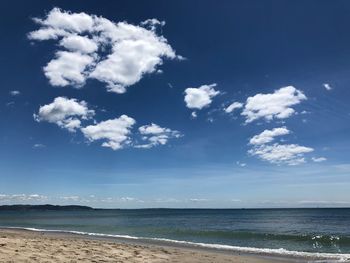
(128, 104)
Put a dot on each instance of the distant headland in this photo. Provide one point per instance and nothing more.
(44, 208)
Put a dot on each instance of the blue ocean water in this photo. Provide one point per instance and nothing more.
(307, 230)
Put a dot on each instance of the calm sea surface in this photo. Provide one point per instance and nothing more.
(308, 230)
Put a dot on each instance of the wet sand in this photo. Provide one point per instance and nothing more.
(27, 246)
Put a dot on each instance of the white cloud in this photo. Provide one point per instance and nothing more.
(152, 129)
(15, 93)
(79, 44)
(39, 146)
(47, 33)
(291, 154)
(22, 197)
(273, 105)
(268, 135)
(115, 132)
(156, 135)
(319, 159)
(128, 199)
(125, 66)
(120, 200)
(198, 98)
(73, 198)
(323, 202)
(327, 86)
(118, 54)
(66, 113)
(67, 21)
(233, 106)
(194, 114)
(276, 105)
(196, 200)
(68, 68)
(241, 164)
(167, 200)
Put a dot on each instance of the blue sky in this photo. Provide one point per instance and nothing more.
(127, 104)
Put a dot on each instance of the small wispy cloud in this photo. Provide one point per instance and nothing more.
(319, 159)
(233, 106)
(241, 164)
(327, 86)
(73, 198)
(15, 93)
(22, 197)
(39, 146)
(323, 202)
(196, 200)
(155, 135)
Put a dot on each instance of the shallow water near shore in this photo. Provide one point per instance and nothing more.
(276, 231)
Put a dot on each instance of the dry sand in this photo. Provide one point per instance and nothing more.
(26, 246)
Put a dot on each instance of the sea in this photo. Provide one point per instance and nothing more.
(317, 234)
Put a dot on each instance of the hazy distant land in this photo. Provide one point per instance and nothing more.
(46, 207)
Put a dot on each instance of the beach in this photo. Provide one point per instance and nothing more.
(28, 246)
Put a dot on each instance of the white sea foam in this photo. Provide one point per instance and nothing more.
(317, 257)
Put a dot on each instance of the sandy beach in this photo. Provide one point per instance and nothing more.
(28, 246)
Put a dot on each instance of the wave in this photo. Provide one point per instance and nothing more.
(317, 256)
(245, 235)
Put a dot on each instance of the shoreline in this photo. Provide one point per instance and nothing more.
(223, 254)
(34, 246)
